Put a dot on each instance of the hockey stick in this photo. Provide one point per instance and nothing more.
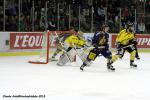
(82, 55)
(100, 47)
(126, 46)
(89, 47)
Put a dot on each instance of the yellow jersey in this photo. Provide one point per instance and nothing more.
(123, 37)
(74, 40)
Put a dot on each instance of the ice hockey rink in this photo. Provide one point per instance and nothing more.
(18, 77)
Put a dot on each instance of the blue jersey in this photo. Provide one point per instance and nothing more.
(100, 39)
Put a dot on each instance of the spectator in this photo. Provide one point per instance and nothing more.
(1, 24)
(27, 23)
(51, 25)
(141, 27)
(126, 12)
(43, 23)
(22, 23)
(101, 14)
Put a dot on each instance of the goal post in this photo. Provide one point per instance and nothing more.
(49, 45)
(44, 52)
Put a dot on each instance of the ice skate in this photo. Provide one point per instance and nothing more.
(138, 58)
(110, 67)
(132, 65)
(81, 68)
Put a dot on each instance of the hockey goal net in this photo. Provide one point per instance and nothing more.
(49, 46)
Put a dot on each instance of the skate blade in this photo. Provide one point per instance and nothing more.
(109, 70)
(132, 67)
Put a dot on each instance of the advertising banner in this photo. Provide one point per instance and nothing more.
(26, 40)
(33, 40)
(143, 40)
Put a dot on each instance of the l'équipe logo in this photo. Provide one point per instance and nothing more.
(28, 40)
(143, 41)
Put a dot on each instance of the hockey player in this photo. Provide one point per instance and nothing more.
(59, 41)
(135, 44)
(101, 46)
(72, 42)
(126, 41)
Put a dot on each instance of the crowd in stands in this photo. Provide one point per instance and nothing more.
(86, 15)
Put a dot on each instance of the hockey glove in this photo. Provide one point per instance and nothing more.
(133, 41)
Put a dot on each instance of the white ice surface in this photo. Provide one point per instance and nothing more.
(17, 77)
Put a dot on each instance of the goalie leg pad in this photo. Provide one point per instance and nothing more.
(66, 57)
(63, 60)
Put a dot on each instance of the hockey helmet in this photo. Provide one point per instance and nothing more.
(104, 27)
(129, 24)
